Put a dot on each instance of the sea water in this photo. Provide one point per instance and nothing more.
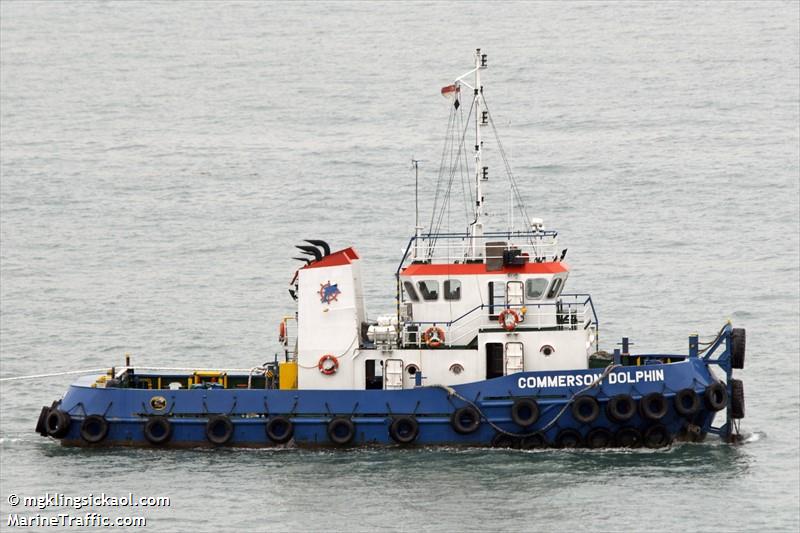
(160, 160)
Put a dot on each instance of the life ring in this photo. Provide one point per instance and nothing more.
(328, 364)
(341, 430)
(57, 423)
(628, 437)
(94, 428)
(219, 429)
(654, 406)
(282, 331)
(158, 430)
(525, 412)
(599, 438)
(687, 402)
(657, 436)
(433, 337)
(508, 325)
(465, 420)
(621, 408)
(716, 396)
(404, 429)
(585, 409)
(280, 429)
(569, 438)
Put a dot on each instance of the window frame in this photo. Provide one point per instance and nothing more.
(446, 289)
(410, 291)
(555, 288)
(428, 291)
(542, 294)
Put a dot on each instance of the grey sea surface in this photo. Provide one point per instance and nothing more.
(160, 160)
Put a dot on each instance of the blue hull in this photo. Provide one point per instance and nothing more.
(371, 412)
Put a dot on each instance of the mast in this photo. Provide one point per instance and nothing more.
(481, 172)
(417, 227)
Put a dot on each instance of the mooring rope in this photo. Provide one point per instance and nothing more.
(106, 370)
(452, 392)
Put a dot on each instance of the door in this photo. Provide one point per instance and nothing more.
(514, 294)
(494, 360)
(515, 357)
(393, 374)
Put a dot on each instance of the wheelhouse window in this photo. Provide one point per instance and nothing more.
(535, 288)
(429, 289)
(452, 289)
(411, 292)
(555, 288)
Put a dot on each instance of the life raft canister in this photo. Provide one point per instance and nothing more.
(328, 364)
(433, 337)
(508, 319)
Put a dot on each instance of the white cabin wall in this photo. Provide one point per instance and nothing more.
(327, 328)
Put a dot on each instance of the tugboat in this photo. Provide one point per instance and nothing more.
(484, 348)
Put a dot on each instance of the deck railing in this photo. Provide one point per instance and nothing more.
(570, 312)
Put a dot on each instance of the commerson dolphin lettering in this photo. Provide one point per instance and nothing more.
(584, 380)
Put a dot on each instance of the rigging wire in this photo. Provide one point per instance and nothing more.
(435, 230)
(510, 174)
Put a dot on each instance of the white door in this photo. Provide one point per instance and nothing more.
(515, 360)
(393, 374)
(514, 294)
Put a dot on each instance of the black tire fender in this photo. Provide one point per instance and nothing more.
(535, 441)
(219, 429)
(628, 437)
(738, 342)
(585, 409)
(599, 438)
(737, 398)
(280, 429)
(501, 440)
(465, 420)
(57, 423)
(41, 422)
(158, 430)
(404, 429)
(657, 436)
(525, 412)
(569, 438)
(687, 402)
(654, 406)
(716, 396)
(341, 430)
(94, 429)
(621, 408)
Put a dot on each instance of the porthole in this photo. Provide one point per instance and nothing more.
(547, 350)
(412, 370)
(456, 368)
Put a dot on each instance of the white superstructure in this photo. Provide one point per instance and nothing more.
(471, 306)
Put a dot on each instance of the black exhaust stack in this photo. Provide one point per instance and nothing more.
(326, 250)
(311, 251)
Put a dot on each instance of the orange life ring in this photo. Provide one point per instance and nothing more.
(508, 325)
(325, 368)
(282, 331)
(433, 337)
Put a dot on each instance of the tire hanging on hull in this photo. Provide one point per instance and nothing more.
(94, 429)
(158, 430)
